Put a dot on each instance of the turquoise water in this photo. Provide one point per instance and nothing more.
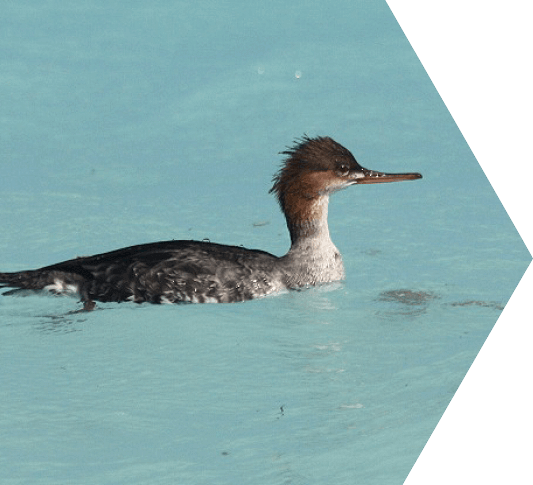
(129, 124)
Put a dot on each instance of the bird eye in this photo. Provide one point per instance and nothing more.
(343, 169)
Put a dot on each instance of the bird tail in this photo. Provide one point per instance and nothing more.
(26, 280)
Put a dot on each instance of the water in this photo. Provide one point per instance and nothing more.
(129, 125)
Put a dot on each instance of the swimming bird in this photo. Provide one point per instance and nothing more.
(200, 272)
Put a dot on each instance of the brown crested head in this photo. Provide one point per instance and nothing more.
(304, 172)
(318, 166)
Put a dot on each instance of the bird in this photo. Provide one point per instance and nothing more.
(187, 271)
